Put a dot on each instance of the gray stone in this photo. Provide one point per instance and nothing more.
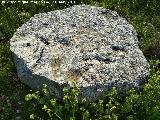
(91, 45)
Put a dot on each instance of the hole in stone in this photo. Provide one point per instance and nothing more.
(45, 24)
(86, 57)
(73, 25)
(28, 44)
(116, 48)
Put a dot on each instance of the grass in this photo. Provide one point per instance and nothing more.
(144, 15)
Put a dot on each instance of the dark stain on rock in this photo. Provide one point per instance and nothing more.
(103, 58)
(63, 40)
(116, 48)
(28, 44)
(46, 24)
(44, 40)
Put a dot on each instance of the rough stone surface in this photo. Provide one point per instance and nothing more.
(91, 45)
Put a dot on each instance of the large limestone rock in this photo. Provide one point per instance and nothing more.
(91, 45)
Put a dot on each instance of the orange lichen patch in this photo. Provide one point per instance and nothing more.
(57, 61)
(58, 71)
(55, 65)
(72, 76)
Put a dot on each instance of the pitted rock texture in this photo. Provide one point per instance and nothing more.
(91, 45)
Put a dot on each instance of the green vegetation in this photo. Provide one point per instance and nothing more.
(17, 101)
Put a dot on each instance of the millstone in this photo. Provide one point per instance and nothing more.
(92, 46)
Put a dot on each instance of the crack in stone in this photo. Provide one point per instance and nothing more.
(40, 56)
